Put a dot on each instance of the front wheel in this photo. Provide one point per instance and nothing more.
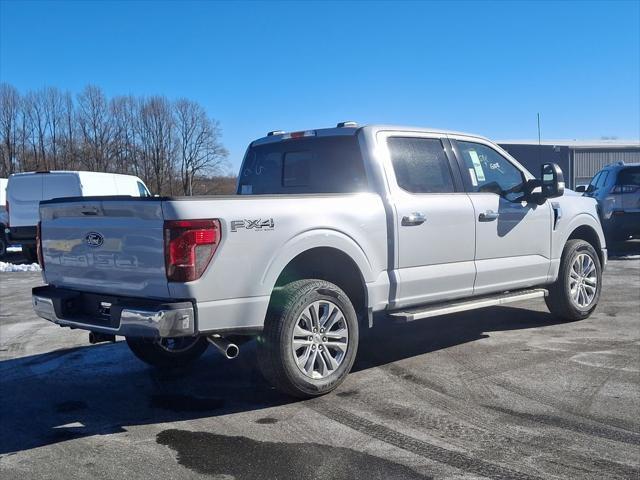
(310, 338)
(575, 293)
(168, 352)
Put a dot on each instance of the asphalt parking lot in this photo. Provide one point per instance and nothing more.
(502, 393)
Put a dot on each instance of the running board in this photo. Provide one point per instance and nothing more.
(443, 308)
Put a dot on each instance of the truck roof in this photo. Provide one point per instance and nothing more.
(352, 129)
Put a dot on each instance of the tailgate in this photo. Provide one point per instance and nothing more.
(112, 246)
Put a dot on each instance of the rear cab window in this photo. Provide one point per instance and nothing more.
(331, 164)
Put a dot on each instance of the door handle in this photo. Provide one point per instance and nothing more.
(488, 216)
(415, 218)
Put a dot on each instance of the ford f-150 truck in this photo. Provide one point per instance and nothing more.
(330, 230)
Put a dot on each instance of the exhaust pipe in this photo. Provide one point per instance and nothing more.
(95, 337)
(228, 349)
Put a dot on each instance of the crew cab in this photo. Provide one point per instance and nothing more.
(330, 230)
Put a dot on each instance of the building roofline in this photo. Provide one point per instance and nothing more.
(576, 143)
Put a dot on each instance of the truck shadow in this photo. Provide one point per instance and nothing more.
(102, 389)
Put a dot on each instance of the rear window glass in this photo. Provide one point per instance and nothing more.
(304, 165)
(25, 187)
(629, 176)
(56, 186)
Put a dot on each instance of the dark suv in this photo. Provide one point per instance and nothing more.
(617, 190)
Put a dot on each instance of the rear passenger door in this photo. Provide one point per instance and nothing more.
(513, 237)
(434, 222)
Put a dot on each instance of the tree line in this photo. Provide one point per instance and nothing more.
(174, 146)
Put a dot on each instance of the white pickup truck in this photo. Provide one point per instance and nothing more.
(329, 230)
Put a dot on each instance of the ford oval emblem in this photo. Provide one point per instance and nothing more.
(94, 239)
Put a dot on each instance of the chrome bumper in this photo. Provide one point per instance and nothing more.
(160, 321)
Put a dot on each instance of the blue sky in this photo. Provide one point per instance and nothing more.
(486, 68)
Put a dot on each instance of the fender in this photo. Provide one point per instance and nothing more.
(562, 234)
(313, 239)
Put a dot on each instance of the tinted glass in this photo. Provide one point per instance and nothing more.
(56, 186)
(603, 179)
(297, 166)
(629, 176)
(304, 165)
(25, 187)
(142, 190)
(487, 170)
(420, 164)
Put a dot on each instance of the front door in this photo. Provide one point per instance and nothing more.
(513, 237)
(435, 230)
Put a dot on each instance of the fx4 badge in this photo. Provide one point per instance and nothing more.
(259, 224)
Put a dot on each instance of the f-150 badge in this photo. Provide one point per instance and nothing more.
(259, 224)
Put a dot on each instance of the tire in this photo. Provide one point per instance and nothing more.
(292, 310)
(562, 301)
(3, 246)
(168, 353)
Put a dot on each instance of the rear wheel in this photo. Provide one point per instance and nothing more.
(310, 338)
(168, 352)
(3, 245)
(575, 293)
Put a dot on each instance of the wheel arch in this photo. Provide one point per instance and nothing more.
(327, 255)
(589, 235)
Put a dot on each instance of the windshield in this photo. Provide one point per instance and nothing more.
(304, 165)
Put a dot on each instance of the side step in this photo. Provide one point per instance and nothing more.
(443, 308)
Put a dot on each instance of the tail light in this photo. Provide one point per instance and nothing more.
(39, 245)
(189, 246)
(624, 189)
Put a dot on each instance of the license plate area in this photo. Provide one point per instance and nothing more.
(90, 308)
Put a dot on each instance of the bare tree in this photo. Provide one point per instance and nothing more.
(54, 114)
(36, 114)
(9, 125)
(95, 127)
(199, 148)
(156, 125)
(172, 146)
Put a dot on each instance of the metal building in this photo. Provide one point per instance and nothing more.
(579, 160)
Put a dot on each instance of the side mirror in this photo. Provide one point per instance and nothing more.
(552, 180)
(581, 188)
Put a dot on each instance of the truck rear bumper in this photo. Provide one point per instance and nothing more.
(126, 316)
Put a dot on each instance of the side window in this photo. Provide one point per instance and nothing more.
(487, 170)
(603, 179)
(594, 180)
(142, 190)
(420, 165)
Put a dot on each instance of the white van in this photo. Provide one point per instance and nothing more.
(26, 190)
(4, 218)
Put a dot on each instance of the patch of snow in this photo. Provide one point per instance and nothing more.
(12, 267)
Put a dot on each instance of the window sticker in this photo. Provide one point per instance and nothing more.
(472, 174)
(477, 165)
